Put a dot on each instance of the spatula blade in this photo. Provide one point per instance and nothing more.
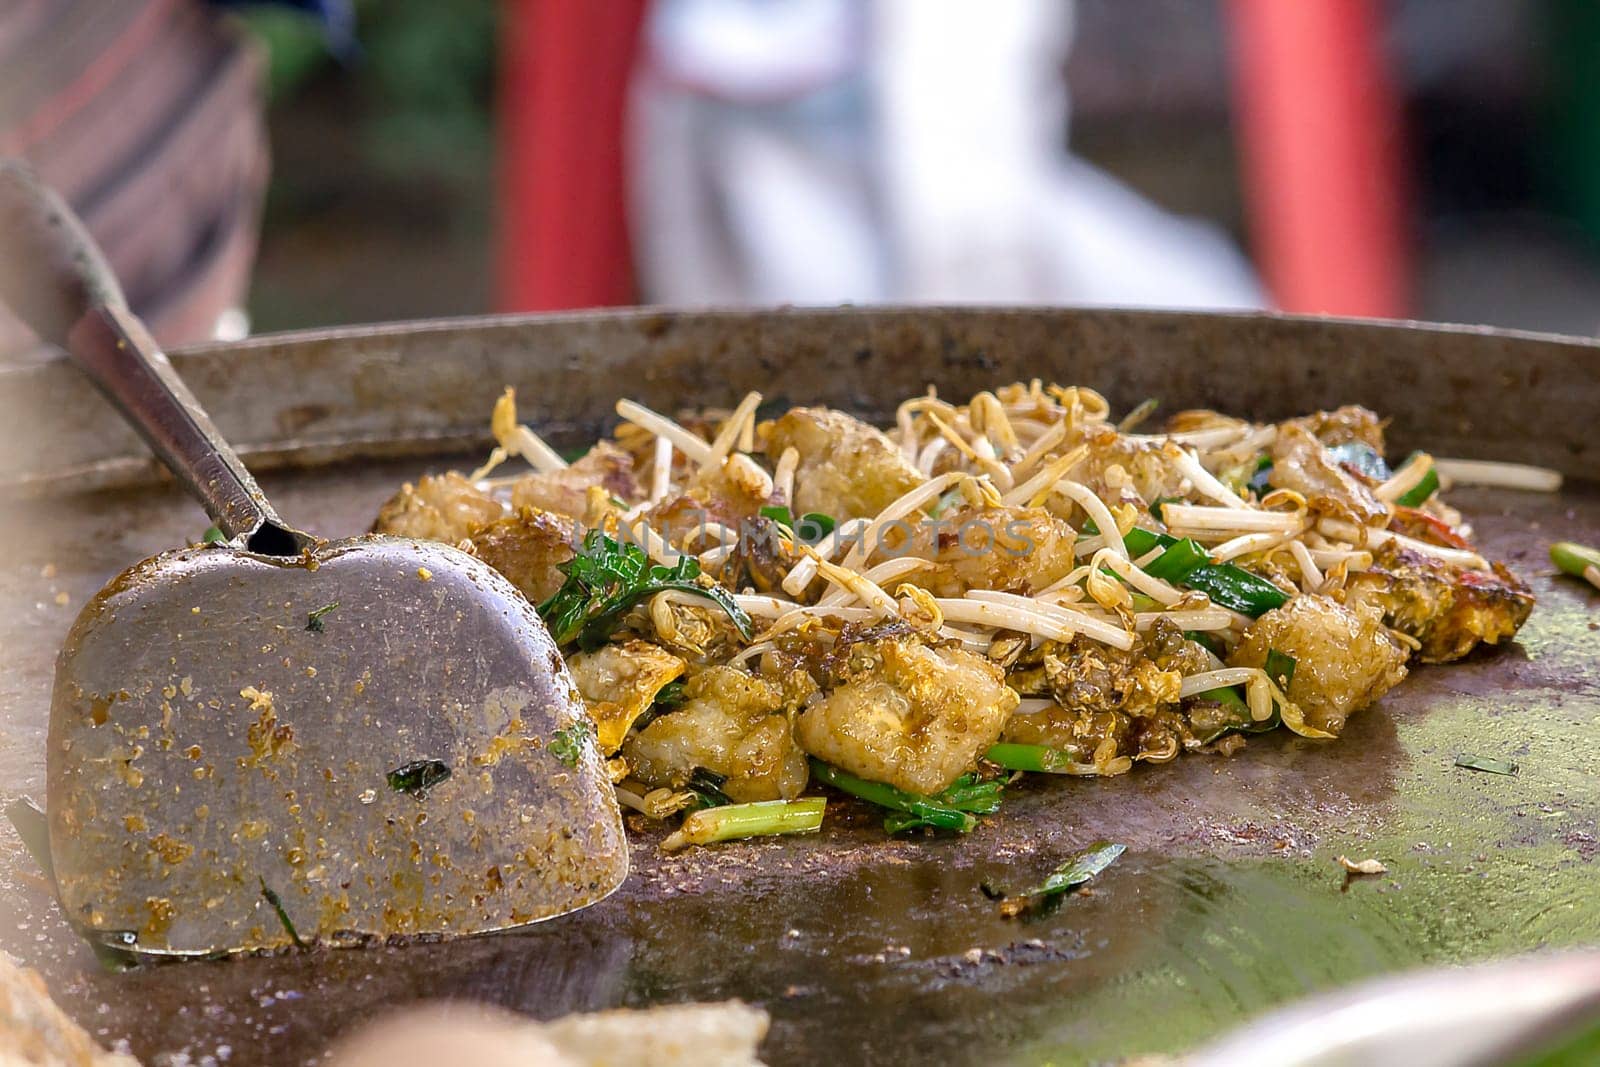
(381, 739)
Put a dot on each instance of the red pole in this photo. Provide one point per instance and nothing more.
(1320, 136)
(562, 210)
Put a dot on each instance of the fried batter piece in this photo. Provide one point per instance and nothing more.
(1449, 610)
(847, 468)
(1016, 550)
(566, 492)
(1301, 463)
(1109, 703)
(439, 507)
(899, 711)
(1345, 659)
(1342, 426)
(619, 683)
(529, 548)
(731, 723)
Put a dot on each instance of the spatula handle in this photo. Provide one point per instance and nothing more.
(55, 279)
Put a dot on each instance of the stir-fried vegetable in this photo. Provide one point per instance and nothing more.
(954, 809)
(418, 776)
(812, 527)
(1039, 759)
(706, 785)
(1231, 587)
(764, 818)
(1280, 668)
(607, 577)
(276, 903)
(1490, 764)
(1580, 561)
(1075, 871)
(1418, 494)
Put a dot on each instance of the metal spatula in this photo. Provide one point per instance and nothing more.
(281, 738)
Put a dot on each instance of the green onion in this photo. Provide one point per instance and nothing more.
(778, 514)
(1418, 494)
(707, 786)
(944, 502)
(1179, 561)
(1280, 668)
(824, 523)
(417, 777)
(567, 744)
(314, 618)
(1485, 763)
(1575, 559)
(213, 535)
(283, 916)
(1228, 586)
(951, 810)
(764, 818)
(1075, 871)
(1259, 480)
(670, 695)
(1144, 410)
(1038, 759)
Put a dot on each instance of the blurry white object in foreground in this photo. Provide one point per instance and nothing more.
(679, 1035)
(821, 151)
(1457, 1017)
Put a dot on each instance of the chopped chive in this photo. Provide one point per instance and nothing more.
(283, 916)
(1258, 482)
(939, 812)
(707, 785)
(1418, 494)
(213, 535)
(1038, 759)
(1228, 586)
(1574, 559)
(1178, 561)
(779, 514)
(1280, 668)
(417, 777)
(1485, 763)
(1141, 412)
(567, 745)
(314, 618)
(1075, 871)
(763, 818)
(824, 525)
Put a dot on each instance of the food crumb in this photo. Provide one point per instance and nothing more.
(425, 574)
(1367, 866)
(47, 571)
(368, 796)
(62, 598)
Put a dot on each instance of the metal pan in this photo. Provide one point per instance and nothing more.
(1228, 902)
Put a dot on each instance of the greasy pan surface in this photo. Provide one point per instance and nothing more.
(1228, 901)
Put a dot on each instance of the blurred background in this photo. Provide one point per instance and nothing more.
(1435, 159)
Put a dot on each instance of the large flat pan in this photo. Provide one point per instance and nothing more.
(1229, 900)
